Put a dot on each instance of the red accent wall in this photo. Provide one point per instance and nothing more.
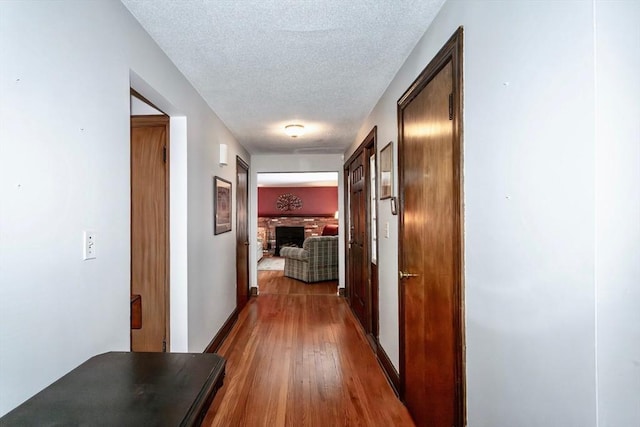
(316, 201)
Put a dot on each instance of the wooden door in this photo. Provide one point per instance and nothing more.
(358, 292)
(430, 247)
(242, 234)
(149, 229)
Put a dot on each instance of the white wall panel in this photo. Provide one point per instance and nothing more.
(530, 210)
(618, 211)
(67, 67)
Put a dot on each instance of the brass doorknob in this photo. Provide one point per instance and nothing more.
(404, 275)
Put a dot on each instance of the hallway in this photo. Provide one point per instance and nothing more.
(298, 357)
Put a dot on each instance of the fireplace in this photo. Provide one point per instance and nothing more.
(288, 236)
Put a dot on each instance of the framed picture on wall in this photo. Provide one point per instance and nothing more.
(221, 205)
(386, 171)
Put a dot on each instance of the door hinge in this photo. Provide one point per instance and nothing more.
(451, 106)
(164, 154)
(164, 345)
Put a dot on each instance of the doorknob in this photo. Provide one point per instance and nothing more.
(404, 275)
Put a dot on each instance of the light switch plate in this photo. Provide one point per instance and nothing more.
(89, 245)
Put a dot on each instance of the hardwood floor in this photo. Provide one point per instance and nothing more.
(274, 282)
(297, 357)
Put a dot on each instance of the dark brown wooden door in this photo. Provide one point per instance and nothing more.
(357, 264)
(242, 234)
(430, 251)
(149, 229)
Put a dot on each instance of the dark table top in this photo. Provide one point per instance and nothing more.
(127, 389)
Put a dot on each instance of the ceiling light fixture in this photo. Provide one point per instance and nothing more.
(294, 131)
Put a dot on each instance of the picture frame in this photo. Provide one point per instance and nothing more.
(386, 171)
(221, 205)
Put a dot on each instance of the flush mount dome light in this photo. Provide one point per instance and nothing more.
(294, 131)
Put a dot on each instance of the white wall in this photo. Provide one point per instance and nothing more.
(178, 243)
(618, 211)
(293, 163)
(141, 108)
(67, 67)
(531, 254)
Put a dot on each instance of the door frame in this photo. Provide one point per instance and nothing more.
(451, 51)
(369, 146)
(242, 298)
(153, 119)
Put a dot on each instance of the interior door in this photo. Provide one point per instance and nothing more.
(358, 292)
(242, 234)
(149, 229)
(430, 249)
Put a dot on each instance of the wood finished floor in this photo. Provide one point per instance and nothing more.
(297, 357)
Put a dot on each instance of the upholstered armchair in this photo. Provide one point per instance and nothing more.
(316, 261)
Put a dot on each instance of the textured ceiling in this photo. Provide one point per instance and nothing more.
(263, 64)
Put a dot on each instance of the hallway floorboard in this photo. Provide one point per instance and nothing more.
(297, 357)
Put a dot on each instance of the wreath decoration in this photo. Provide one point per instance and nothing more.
(288, 202)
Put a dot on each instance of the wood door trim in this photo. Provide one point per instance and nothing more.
(372, 148)
(145, 121)
(158, 120)
(347, 225)
(368, 145)
(136, 94)
(450, 52)
(242, 165)
(372, 137)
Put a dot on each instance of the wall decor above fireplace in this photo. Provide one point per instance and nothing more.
(316, 201)
(288, 202)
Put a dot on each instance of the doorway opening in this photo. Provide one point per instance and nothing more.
(291, 208)
(149, 226)
(361, 241)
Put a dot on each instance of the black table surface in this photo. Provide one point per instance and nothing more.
(127, 389)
